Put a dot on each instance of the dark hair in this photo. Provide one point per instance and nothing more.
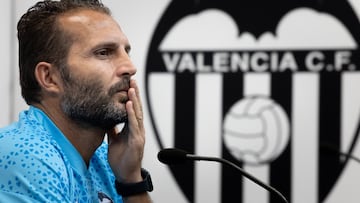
(42, 39)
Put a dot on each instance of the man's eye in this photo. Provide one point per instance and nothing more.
(103, 52)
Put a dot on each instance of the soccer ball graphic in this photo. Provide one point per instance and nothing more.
(256, 130)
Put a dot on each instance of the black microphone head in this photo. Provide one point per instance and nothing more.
(172, 156)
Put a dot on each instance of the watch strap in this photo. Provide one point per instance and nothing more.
(130, 189)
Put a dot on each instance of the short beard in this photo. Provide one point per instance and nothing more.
(87, 103)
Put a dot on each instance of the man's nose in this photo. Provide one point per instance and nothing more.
(125, 66)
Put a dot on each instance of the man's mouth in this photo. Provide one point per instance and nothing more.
(123, 96)
(120, 87)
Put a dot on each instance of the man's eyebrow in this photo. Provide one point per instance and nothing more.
(106, 44)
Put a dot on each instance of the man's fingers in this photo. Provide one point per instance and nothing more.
(137, 92)
(135, 97)
(136, 106)
(132, 118)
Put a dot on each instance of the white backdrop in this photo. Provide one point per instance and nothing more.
(138, 20)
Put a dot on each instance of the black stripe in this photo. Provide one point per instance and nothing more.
(330, 117)
(185, 130)
(280, 170)
(231, 189)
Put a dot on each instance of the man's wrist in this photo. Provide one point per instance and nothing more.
(130, 189)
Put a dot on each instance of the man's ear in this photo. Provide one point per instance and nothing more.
(48, 77)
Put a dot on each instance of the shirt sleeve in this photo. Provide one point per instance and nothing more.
(32, 170)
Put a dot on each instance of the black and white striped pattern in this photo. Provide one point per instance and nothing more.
(322, 107)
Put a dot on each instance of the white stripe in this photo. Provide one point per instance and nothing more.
(305, 138)
(208, 136)
(162, 100)
(350, 106)
(348, 184)
(256, 84)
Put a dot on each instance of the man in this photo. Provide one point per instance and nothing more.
(76, 76)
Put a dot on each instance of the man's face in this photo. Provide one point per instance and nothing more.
(98, 70)
(89, 102)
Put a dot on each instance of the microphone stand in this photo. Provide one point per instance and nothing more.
(246, 174)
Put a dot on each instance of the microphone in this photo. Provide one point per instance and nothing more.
(171, 156)
(332, 149)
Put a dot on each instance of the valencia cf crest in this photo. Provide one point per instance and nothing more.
(264, 84)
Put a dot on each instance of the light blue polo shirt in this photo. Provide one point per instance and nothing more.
(39, 164)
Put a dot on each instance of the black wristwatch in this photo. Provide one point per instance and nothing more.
(130, 189)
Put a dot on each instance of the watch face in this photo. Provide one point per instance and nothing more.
(271, 89)
(147, 180)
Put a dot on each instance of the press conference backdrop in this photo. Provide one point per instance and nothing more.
(264, 84)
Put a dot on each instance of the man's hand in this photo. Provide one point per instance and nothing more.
(127, 147)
